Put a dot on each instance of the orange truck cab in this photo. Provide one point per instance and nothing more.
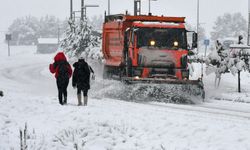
(146, 47)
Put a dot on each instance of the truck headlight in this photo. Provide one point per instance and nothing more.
(136, 77)
(176, 44)
(152, 43)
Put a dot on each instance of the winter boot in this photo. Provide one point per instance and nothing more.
(65, 101)
(60, 99)
(79, 97)
(85, 100)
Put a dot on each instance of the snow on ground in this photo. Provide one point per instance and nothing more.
(107, 124)
(228, 89)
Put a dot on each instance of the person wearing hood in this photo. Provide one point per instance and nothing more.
(63, 71)
(81, 79)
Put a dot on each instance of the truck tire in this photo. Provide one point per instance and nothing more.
(129, 68)
(105, 74)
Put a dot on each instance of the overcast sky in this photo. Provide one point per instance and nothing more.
(209, 9)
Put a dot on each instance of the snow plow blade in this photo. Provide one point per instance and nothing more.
(159, 90)
(168, 90)
(132, 80)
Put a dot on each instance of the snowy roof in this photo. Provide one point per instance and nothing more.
(240, 46)
(156, 23)
(229, 38)
(47, 41)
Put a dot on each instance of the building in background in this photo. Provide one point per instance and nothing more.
(47, 45)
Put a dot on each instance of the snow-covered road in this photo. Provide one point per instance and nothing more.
(31, 97)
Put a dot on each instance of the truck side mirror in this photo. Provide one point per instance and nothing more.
(126, 38)
(195, 40)
(240, 39)
(134, 32)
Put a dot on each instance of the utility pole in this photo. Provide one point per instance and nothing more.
(248, 37)
(82, 10)
(198, 23)
(239, 42)
(8, 38)
(108, 7)
(85, 10)
(9, 48)
(137, 7)
(239, 89)
(149, 6)
(71, 9)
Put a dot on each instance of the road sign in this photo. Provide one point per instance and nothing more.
(7, 37)
(206, 42)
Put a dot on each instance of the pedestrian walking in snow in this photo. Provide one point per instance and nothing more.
(63, 72)
(1, 93)
(81, 79)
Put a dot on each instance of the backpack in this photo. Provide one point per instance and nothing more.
(63, 70)
(83, 69)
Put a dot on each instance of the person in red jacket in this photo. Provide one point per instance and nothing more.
(63, 71)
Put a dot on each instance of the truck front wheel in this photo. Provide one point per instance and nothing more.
(105, 74)
(129, 68)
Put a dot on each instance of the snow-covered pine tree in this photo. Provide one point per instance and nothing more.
(79, 40)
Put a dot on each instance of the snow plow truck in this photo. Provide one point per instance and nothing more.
(148, 49)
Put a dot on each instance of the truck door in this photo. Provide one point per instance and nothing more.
(132, 47)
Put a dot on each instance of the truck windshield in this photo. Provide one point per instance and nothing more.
(162, 38)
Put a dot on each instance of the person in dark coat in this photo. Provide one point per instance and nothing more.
(81, 79)
(63, 71)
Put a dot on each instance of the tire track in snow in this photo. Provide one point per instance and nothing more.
(29, 77)
(223, 108)
(205, 109)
